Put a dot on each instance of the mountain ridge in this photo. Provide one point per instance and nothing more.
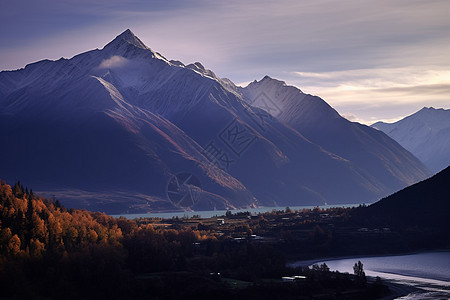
(126, 119)
(323, 125)
(425, 133)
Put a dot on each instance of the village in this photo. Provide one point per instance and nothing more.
(298, 234)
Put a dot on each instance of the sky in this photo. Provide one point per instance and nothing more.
(370, 60)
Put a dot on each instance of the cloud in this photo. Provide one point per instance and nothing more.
(378, 77)
(370, 95)
(369, 121)
(430, 89)
(372, 59)
(243, 84)
(364, 85)
(247, 39)
(351, 117)
(113, 62)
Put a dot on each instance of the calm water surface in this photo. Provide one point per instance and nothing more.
(213, 213)
(429, 271)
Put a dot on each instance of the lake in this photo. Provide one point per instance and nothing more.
(429, 271)
(213, 213)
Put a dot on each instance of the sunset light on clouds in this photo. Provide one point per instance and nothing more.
(238, 149)
(370, 60)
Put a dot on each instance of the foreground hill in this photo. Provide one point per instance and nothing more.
(425, 133)
(122, 129)
(424, 204)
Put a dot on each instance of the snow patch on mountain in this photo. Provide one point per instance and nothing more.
(287, 103)
(124, 118)
(425, 133)
(377, 156)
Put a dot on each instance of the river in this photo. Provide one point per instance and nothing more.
(428, 271)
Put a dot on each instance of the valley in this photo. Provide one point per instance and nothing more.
(111, 129)
(51, 251)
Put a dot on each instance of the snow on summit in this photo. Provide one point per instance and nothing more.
(123, 120)
(128, 44)
(425, 133)
(127, 37)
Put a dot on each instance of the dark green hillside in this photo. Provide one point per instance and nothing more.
(425, 204)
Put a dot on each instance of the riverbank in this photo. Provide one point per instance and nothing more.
(418, 275)
(304, 263)
(398, 290)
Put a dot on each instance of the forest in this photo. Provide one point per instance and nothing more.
(49, 251)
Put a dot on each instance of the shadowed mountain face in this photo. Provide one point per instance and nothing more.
(122, 129)
(383, 161)
(424, 204)
(425, 133)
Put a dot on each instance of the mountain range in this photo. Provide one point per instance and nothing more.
(426, 134)
(123, 129)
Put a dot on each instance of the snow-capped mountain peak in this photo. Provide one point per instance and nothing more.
(127, 37)
(437, 117)
(269, 83)
(425, 133)
(427, 117)
(199, 68)
(124, 119)
(129, 45)
(287, 103)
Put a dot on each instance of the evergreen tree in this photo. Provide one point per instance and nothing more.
(18, 189)
(358, 270)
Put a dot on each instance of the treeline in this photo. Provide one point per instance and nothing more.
(50, 252)
(34, 227)
(47, 250)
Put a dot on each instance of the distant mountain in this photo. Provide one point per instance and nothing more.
(380, 159)
(423, 204)
(122, 129)
(425, 133)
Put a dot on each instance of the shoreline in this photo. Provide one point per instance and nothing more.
(397, 290)
(215, 213)
(309, 262)
(397, 287)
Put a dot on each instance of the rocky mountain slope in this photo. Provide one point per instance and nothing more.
(425, 133)
(122, 129)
